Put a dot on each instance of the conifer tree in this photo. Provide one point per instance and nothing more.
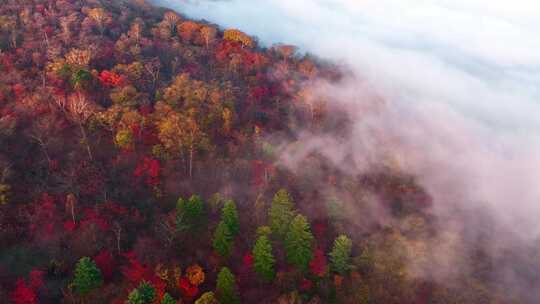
(298, 243)
(167, 299)
(226, 287)
(144, 294)
(340, 255)
(230, 217)
(223, 240)
(190, 214)
(87, 276)
(263, 258)
(281, 213)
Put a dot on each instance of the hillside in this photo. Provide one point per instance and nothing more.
(141, 161)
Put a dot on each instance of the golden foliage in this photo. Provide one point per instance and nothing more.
(238, 36)
(195, 275)
(79, 57)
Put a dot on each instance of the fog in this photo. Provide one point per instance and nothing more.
(461, 84)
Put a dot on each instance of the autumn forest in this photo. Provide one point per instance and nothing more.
(140, 163)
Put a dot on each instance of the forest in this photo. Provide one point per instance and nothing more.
(140, 163)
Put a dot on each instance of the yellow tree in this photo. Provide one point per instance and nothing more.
(208, 34)
(238, 36)
(100, 17)
(181, 135)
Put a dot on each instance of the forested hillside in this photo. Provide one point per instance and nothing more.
(140, 162)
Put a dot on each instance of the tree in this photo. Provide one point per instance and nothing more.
(298, 243)
(87, 276)
(318, 266)
(190, 214)
(23, 294)
(167, 299)
(143, 294)
(226, 287)
(223, 240)
(208, 33)
(207, 298)
(195, 275)
(340, 256)
(238, 36)
(100, 17)
(230, 217)
(264, 260)
(281, 213)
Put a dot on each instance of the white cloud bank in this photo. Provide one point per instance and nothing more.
(462, 81)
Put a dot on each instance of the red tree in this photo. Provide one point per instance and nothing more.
(23, 294)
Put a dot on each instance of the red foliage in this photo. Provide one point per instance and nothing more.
(149, 168)
(226, 48)
(319, 229)
(306, 284)
(70, 226)
(187, 289)
(248, 260)
(111, 79)
(135, 272)
(259, 93)
(36, 279)
(318, 265)
(92, 217)
(18, 90)
(105, 262)
(23, 294)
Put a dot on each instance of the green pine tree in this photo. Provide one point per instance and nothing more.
(264, 260)
(167, 299)
(144, 294)
(223, 240)
(190, 214)
(340, 256)
(226, 287)
(281, 213)
(230, 217)
(298, 243)
(87, 276)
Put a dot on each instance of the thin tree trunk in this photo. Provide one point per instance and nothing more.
(191, 162)
(85, 139)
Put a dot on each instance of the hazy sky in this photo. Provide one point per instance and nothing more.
(463, 77)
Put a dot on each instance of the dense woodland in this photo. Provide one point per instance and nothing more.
(139, 163)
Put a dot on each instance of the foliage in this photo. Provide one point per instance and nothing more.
(195, 274)
(87, 276)
(190, 214)
(298, 243)
(230, 217)
(23, 294)
(226, 287)
(223, 240)
(340, 256)
(281, 213)
(207, 298)
(143, 294)
(264, 260)
(167, 299)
